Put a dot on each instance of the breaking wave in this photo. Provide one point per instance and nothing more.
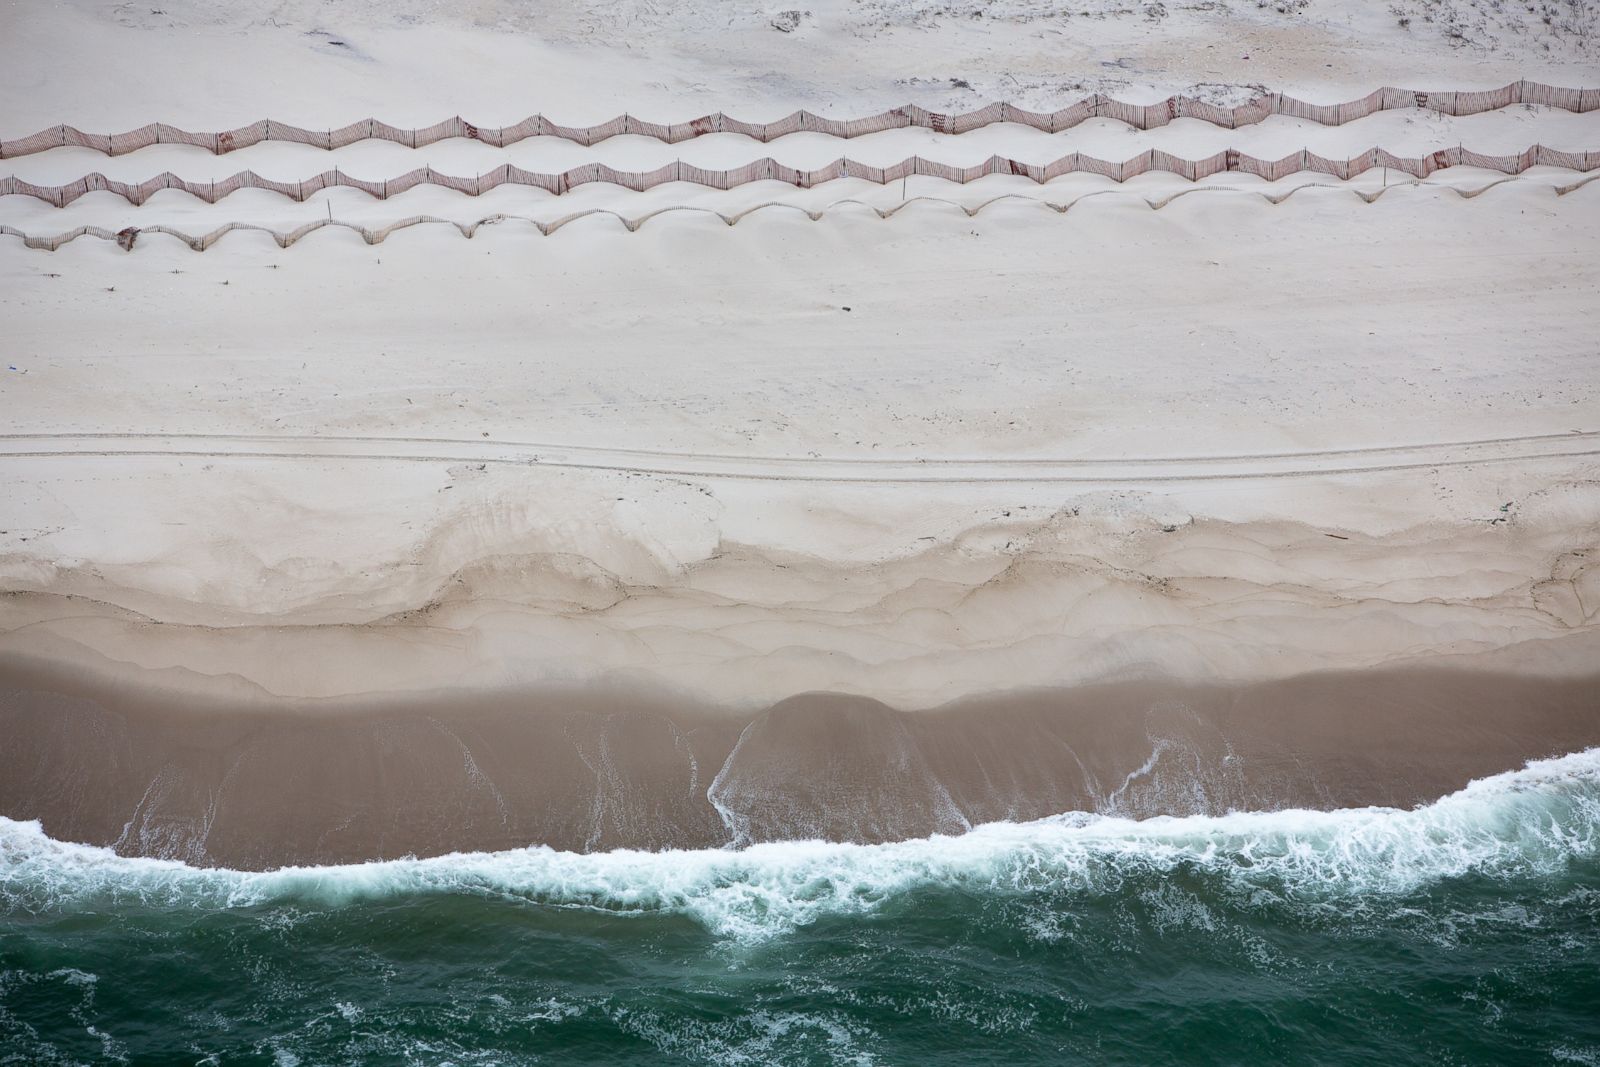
(1532, 821)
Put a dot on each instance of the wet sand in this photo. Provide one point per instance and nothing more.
(312, 782)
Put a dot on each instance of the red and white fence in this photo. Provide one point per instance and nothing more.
(1141, 116)
(1153, 160)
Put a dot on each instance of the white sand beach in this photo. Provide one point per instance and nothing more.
(920, 442)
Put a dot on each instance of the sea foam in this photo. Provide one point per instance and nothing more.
(1525, 822)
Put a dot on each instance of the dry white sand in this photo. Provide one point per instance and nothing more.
(913, 459)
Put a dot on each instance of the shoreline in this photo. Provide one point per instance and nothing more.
(1097, 562)
(585, 769)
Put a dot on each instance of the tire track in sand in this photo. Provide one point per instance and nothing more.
(873, 470)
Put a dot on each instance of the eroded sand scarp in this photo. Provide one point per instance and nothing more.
(750, 593)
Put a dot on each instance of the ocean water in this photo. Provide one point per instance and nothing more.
(1466, 931)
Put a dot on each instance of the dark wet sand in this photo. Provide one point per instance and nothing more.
(259, 785)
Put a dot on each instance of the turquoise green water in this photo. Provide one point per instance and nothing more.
(1464, 932)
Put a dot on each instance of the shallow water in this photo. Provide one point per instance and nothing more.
(258, 786)
(1464, 931)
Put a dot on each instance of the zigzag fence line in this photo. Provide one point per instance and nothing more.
(768, 169)
(127, 237)
(1140, 116)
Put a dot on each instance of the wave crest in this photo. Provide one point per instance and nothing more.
(1535, 820)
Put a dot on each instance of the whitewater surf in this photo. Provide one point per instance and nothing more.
(1244, 936)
